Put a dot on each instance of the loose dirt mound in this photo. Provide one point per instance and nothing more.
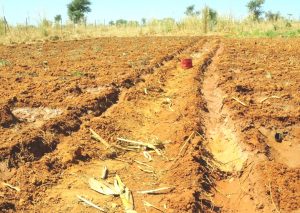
(219, 137)
(7, 118)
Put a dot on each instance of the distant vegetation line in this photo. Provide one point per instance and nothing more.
(196, 22)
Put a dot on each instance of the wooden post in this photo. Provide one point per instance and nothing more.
(61, 26)
(205, 19)
(6, 27)
(26, 21)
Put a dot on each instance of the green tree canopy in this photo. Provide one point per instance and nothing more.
(77, 10)
(143, 20)
(271, 16)
(121, 22)
(255, 8)
(190, 11)
(57, 18)
(212, 15)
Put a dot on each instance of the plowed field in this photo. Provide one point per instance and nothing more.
(223, 136)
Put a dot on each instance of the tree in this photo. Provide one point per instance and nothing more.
(111, 23)
(57, 19)
(77, 10)
(270, 16)
(143, 21)
(190, 11)
(255, 8)
(212, 14)
(121, 22)
(209, 18)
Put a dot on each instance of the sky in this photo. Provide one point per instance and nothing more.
(104, 11)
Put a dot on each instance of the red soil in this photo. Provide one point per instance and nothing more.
(239, 93)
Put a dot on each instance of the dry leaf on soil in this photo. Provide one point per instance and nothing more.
(102, 187)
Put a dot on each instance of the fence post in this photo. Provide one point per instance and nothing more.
(205, 19)
(61, 26)
(6, 27)
(26, 21)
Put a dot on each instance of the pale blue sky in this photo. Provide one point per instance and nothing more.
(16, 11)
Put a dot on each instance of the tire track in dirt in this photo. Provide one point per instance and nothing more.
(240, 176)
(221, 132)
(169, 111)
(229, 155)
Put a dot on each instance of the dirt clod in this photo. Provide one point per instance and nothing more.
(7, 118)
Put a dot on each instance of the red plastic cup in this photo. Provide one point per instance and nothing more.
(186, 63)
